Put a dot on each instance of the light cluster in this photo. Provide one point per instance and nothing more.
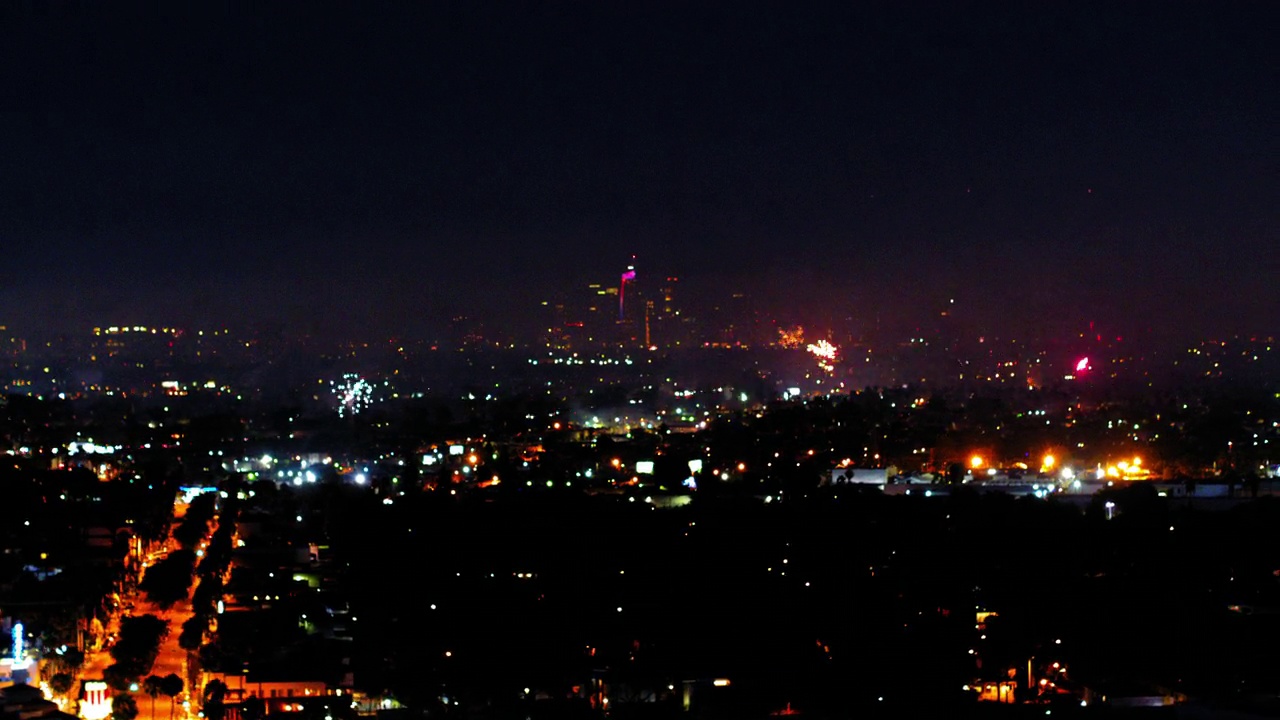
(826, 353)
(354, 394)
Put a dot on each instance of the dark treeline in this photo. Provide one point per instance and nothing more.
(826, 604)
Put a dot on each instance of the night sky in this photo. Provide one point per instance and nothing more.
(379, 167)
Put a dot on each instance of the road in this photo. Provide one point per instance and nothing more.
(170, 659)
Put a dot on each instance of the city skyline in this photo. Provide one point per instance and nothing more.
(684, 315)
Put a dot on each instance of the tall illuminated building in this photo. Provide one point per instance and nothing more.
(628, 278)
(556, 324)
(668, 296)
(632, 325)
(670, 326)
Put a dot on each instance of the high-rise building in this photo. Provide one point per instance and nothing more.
(668, 294)
(671, 326)
(556, 325)
(632, 323)
(628, 314)
(628, 280)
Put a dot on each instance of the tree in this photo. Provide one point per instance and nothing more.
(252, 708)
(153, 687)
(214, 693)
(215, 690)
(139, 643)
(192, 633)
(73, 659)
(204, 601)
(214, 710)
(195, 524)
(168, 581)
(61, 683)
(120, 675)
(172, 686)
(124, 707)
(212, 658)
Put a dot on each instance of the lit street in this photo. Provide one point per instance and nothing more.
(170, 659)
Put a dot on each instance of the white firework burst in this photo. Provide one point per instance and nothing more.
(354, 394)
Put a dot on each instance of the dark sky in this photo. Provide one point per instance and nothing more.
(379, 166)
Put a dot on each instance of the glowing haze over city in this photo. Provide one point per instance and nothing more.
(367, 171)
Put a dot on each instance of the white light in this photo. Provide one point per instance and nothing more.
(361, 478)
